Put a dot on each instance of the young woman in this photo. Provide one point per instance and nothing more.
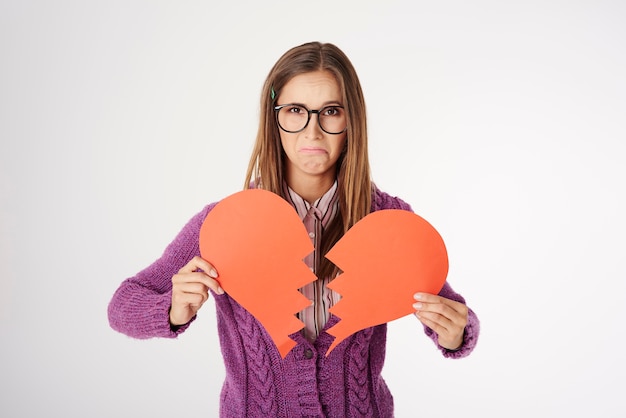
(311, 149)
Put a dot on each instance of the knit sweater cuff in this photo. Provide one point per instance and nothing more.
(145, 315)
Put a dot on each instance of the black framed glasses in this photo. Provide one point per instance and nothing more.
(294, 117)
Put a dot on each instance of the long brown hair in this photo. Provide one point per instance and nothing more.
(266, 167)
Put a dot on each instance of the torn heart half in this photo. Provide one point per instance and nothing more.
(386, 258)
(257, 243)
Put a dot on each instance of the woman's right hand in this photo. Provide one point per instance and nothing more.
(190, 289)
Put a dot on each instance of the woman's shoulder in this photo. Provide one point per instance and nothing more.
(195, 222)
(382, 200)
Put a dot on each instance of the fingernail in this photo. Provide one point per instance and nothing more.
(220, 291)
(417, 305)
(417, 296)
(213, 273)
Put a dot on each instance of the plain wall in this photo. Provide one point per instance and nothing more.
(502, 123)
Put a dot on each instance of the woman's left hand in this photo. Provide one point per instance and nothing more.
(444, 316)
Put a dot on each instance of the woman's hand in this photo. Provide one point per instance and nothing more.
(444, 316)
(190, 289)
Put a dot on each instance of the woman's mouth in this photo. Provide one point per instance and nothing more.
(312, 150)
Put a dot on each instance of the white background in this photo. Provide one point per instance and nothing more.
(501, 122)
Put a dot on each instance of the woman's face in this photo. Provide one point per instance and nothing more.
(312, 154)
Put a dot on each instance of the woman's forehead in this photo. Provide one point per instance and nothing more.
(314, 88)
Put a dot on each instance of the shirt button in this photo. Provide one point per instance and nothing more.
(312, 234)
(308, 354)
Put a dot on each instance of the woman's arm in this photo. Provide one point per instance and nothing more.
(140, 306)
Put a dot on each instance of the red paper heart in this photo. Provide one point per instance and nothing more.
(257, 243)
(386, 258)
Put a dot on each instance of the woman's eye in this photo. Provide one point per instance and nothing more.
(331, 111)
(295, 109)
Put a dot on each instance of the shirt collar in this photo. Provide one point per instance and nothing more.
(321, 206)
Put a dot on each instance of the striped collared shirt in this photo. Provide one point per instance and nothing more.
(316, 217)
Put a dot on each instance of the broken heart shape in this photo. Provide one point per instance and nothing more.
(386, 258)
(257, 243)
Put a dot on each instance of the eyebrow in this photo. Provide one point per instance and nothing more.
(325, 104)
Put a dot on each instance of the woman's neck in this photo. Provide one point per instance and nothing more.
(311, 188)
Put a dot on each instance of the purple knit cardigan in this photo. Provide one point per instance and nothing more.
(259, 383)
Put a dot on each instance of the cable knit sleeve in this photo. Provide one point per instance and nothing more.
(381, 201)
(140, 306)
